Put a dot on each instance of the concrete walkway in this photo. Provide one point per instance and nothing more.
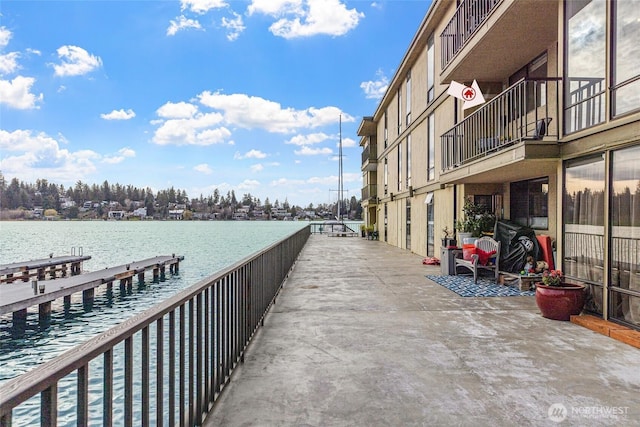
(360, 337)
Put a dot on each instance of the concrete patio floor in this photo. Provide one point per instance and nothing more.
(360, 337)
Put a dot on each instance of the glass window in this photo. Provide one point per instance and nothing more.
(625, 235)
(408, 106)
(431, 149)
(530, 203)
(408, 224)
(386, 221)
(386, 175)
(431, 69)
(626, 58)
(386, 132)
(535, 90)
(399, 111)
(400, 166)
(585, 63)
(583, 217)
(408, 160)
(430, 228)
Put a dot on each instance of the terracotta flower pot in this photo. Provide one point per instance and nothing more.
(560, 302)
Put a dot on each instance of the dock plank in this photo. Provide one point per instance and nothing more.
(19, 295)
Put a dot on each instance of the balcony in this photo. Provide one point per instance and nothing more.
(369, 193)
(526, 111)
(469, 16)
(483, 40)
(370, 157)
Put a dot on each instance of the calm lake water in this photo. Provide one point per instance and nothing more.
(207, 247)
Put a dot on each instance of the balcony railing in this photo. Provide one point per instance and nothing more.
(185, 349)
(525, 111)
(468, 18)
(370, 153)
(369, 192)
(585, 103)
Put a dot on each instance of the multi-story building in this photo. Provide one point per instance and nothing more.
(555, 147)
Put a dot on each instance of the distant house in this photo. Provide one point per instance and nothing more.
(176, 214)
(140, 213)
(116, 214)
(67, 203)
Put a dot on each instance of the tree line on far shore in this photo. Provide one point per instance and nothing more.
(68, 202)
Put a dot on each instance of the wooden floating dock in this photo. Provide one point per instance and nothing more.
(17, 297)
(42, 268)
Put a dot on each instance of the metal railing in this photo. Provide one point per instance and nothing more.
(169, 363)
(585, 106)
(468, 18)
(370, 153)
(524, 111)
(369, 192)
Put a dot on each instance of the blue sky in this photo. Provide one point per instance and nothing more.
(196, 94)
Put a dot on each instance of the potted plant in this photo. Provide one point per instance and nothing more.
(557, 299)
(476, 221)
(447, 238)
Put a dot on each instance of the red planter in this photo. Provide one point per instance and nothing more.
(560, 302)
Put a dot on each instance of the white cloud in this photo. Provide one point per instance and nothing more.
(255, 112)
(127, 152)
(307, 18)
(5, 36)
(75, 61)
(123, 153)
(182, 23)
(36, 156)
(187, 126)
(17, 94)
(9, 62)
(201, 6)
(251, 154)
(248, 184)
(308, 151)
(310, 139)
(284, 182)
(119, 115)
(375, 89)
(194, 131)
(256, 168)
(178, 110)
(347, 142)
(234, 26)
(203, 168)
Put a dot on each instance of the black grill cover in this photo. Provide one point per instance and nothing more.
(514, 247)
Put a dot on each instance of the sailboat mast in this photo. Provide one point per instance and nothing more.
(340, 185)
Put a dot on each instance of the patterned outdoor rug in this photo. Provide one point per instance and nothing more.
(464, 286)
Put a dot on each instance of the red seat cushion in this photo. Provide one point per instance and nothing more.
(484, 256)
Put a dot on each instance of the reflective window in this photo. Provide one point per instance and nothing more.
(625, 235)
(583, 256)
(585, 24)
(530, 203)
(400, 166)
(408, 106)
(626, 57)
(431, 149)
(431, 69)
(408, 160)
